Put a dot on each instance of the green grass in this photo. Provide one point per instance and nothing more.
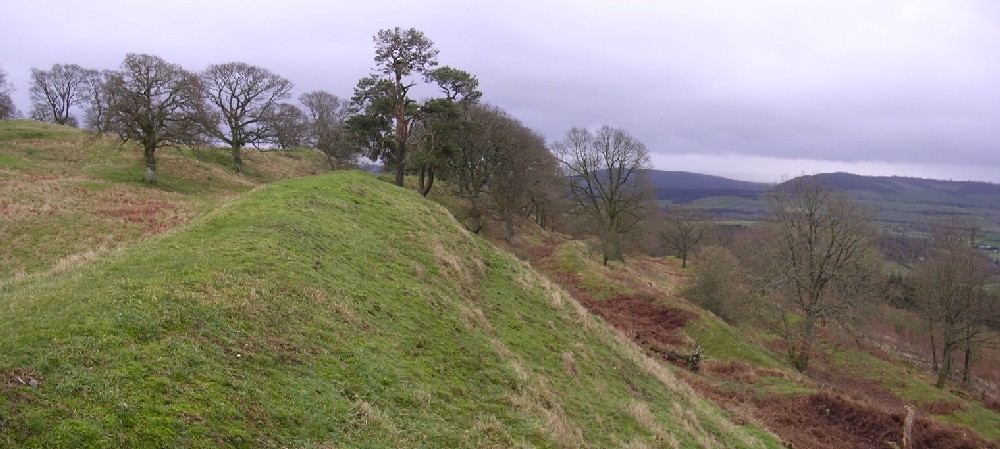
(576, 260)
(333, 311)
(725, 343)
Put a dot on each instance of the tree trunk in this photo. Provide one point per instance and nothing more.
(509, 224)
(150, 154)
(425, 189)
(934, 359)
(801, 358)
(400, 167)
(967, 363)
(237, 160)
(401, 130)
(908, 427)
(945, 370)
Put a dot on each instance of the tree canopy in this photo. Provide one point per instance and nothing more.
(155, 103)
(54, 92)
(604, 171)
(386, 113)
(242, 97)
(7, 108)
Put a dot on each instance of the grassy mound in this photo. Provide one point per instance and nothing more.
(332, 311)
(67, 196)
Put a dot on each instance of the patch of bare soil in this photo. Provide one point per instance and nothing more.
(827, 420)
(19, 377)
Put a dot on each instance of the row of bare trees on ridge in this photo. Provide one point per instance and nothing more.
(502, 168)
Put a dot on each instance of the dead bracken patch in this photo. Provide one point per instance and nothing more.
(737, 372)
(651, 325)
(828, 419)
(941, 407)
(536, 253)
(134, 210)
(867, 390)
(832, 421)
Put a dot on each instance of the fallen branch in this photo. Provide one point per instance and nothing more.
(693, 360)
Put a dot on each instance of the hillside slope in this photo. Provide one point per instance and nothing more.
(852, 397)
(334, 311)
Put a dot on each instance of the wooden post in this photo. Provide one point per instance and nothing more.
(908, 427)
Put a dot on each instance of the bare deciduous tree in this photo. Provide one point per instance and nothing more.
(819, 248)
(681, 230)
(605, 175)
(7, 108)
(156, 104)
(54, 92)
(951, 294)
(97, 100)
(243, 96)
(327, 116)
(290, 126)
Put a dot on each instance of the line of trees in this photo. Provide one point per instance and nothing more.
(500, 167)
(503, 169)
(156, 103)
(952, 294)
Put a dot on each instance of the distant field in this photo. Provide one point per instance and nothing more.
(911, 208)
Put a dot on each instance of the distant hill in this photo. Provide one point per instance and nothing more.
(915, 204)
(683, 187)
(958, 193)
(903, 203)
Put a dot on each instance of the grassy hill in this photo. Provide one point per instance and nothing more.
(913, 204)
(66, 196)
(322, 312)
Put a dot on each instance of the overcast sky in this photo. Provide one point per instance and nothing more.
(754, 90)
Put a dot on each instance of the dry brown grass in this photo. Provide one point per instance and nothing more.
(489, 433)
(368, 418)
(569, 363)
(73, 261)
